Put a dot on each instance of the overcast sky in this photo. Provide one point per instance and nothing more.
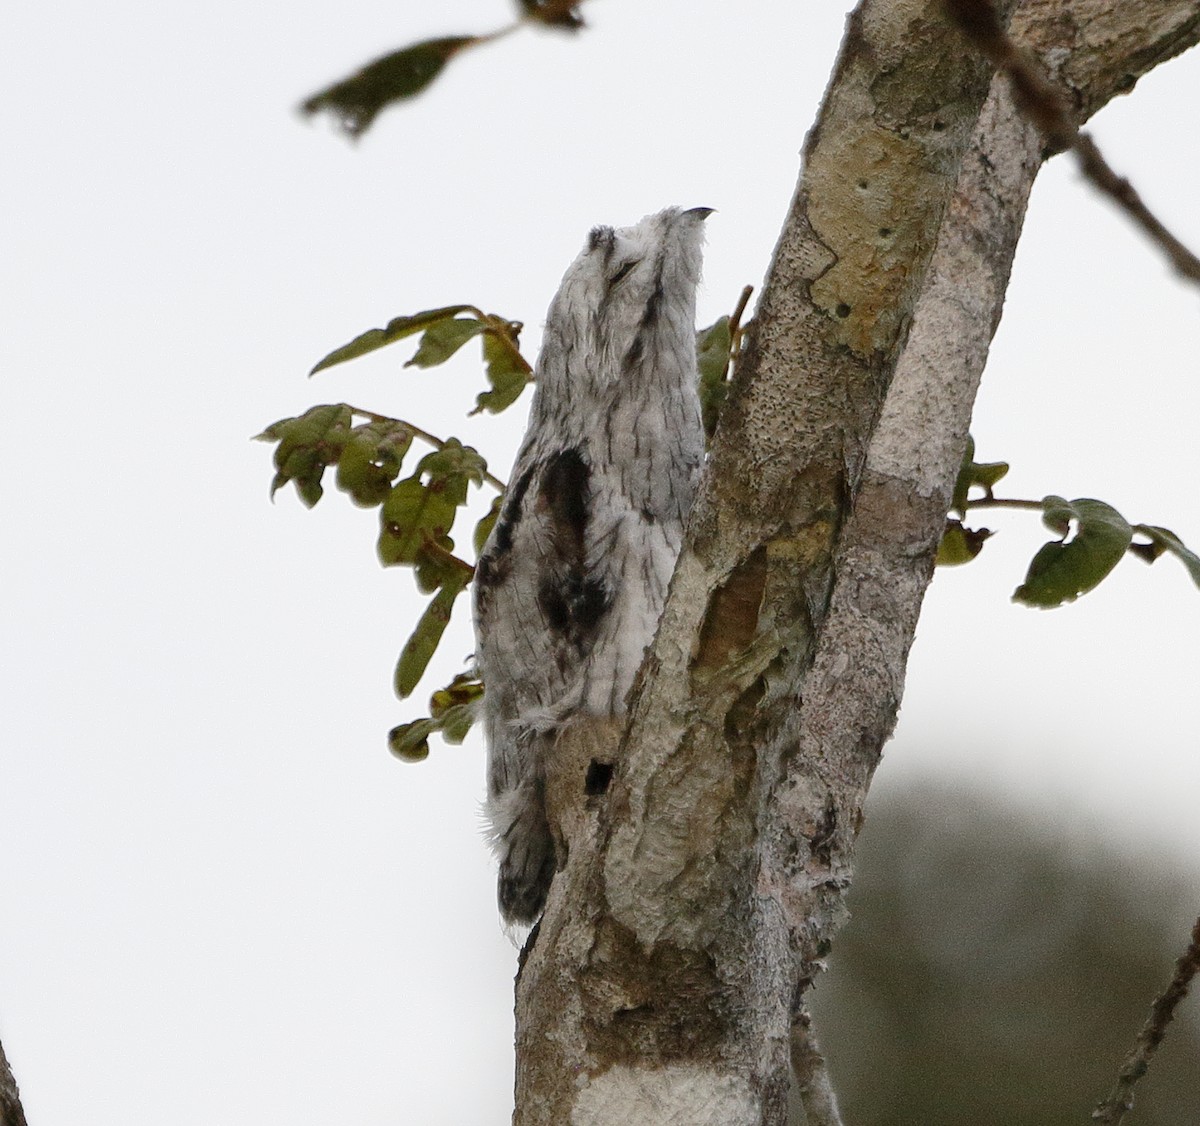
(221, 900)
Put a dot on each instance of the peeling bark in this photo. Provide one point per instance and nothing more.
(699, 897)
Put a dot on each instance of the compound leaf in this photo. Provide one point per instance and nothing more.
(396, 329)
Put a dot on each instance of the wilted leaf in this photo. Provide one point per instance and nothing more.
(712, 361)
(507, 372)
(443, 339)
(1164, 540)
(452, 712)
(397, 329)
(1061, 571)
(421, 646)
(355, 101)
(466, 688)
(456, 706)
(410, 741)
(960, 544)
(553, 13)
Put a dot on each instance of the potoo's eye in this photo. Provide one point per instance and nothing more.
(623, 271)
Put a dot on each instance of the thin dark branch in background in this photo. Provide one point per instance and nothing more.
(11, 1111)
(811, 1075)
(1048, 108)
(1120, 1098)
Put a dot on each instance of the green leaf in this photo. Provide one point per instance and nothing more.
(1164, 540)
(452, 467)
(507, 372)
(372, 459)
(308, 444)
(421, 646)
(397, 329)
(412, 515)
(972, 473)
(356, 101)
(443, 339)
(436, 564)
(1063, 570)
(453, 711)
(484, 528)
(466, 688)
(959, 544)
(410, 741)
(712, 361)
(456, 706)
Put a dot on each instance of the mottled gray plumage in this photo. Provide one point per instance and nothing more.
(572, 580)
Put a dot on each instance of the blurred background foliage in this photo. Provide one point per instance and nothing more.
(995, 971)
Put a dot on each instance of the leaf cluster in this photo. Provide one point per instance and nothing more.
(1092, 537)
(443, 332)
(416, 512)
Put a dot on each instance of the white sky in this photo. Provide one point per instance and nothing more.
(221, 899)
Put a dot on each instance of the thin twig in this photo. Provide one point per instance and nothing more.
(811, 1075)
(735, 321)
(1007, 502)
(432, 439)
(1120, 1098)
(1048, 107)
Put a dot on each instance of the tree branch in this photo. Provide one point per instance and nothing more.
(813, 1085)
(1045, 105)
(11, 1111)
(702, 896)
(1120, 1099)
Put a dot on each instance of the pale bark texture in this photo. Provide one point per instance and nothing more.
(701, 892)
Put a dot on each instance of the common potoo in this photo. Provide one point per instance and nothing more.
(571, 582)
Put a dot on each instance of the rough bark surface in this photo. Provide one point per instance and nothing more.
(701, 892)
(11, 1111)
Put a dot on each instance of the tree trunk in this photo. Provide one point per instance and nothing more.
(11, 1111)
(700, 895)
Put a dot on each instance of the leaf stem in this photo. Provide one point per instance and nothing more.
(435, 548)
(432, 439)
(1006, 502)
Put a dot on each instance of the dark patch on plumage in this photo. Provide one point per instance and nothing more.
(573, 605)
(564, 489)
(554, 604)
(653, 303)
(590, 601)
(637, 350)
(510, 514)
